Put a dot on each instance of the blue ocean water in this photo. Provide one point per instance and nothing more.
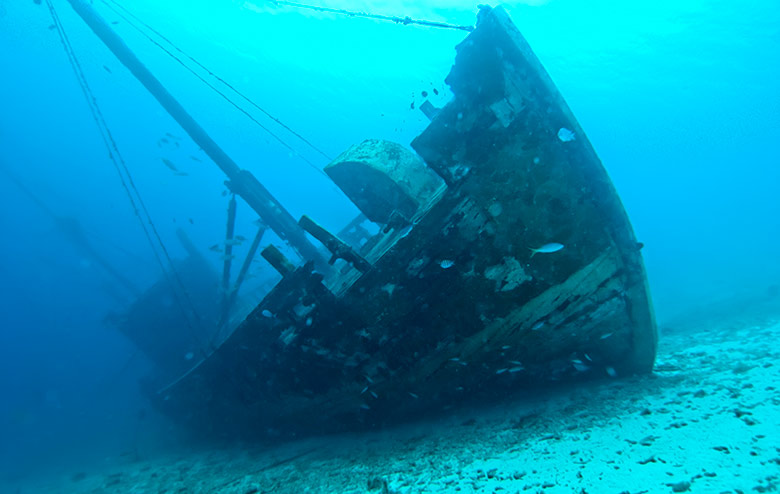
(679, 99)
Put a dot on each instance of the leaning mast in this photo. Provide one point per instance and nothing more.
(241, 182)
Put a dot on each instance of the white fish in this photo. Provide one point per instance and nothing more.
(579, 365)
(546, 248)
(566, 135)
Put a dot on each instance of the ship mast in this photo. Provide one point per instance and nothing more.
(241, 182)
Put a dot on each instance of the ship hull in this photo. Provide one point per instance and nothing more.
(457, 302)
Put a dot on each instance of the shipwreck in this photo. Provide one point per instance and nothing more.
(503, 260)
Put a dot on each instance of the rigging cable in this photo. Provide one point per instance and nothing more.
(127, 183)
(220, 79)
(406, 20)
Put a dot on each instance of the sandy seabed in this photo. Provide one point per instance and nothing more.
(707, 420)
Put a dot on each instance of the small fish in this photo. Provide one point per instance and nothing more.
(240, 238)
(435, 91)
(605, 336)
(566, 135)
(181, 174)
(516, 369)
(267, 313)
(537, 326)
(413, 395)
(406, 231)
(446, 264)
(107, 69)
(194, 158)
(364, 390)
(164, 140)
(424, 94)
(192, 222)
(501, 371)
(374, 394)
(610, 371)
(173, 136)
(232, 241)
(579, 366)
(227, 258)
(546, 248)
(169, 164)
(52, 27)
(114, 22)
(215, 248)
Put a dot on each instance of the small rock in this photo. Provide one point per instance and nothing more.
(683, 486)
(377, 483)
